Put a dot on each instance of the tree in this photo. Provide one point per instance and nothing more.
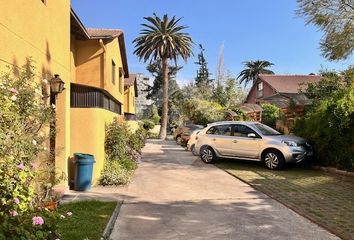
(336, 19)
(253, 69)
(203, 75)
(155, 91)
(233, 91)
(163, 39)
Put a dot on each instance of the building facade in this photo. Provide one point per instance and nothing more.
(281, 90)
(91, 62)
(143, 104)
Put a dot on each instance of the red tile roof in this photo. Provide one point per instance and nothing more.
(289, 83)
(104, 32)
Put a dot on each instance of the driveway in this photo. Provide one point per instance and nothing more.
(175, 196)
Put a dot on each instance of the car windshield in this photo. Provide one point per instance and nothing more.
(265, 130)
(194, 127)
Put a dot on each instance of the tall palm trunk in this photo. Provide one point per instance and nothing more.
(164, 117)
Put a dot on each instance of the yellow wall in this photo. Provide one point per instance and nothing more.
(88, 134)
(94, 65)
(129, 99)
(41, 31)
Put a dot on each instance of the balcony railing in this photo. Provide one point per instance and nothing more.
(90, 97)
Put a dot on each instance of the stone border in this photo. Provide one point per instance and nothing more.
(335, 171)
(109, 227)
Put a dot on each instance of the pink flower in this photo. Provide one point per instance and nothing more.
(13, 213)
(69, 213)
(21, 166)
(37, 220)
(13, 90)
(34, 165)
(16, 200)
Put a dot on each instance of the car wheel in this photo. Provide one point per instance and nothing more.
(208, 155)
(179, 140)
(193, 150)
(274, 160)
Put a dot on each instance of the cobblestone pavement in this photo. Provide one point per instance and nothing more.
(325, 198)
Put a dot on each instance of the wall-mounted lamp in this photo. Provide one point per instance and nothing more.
(56, 85)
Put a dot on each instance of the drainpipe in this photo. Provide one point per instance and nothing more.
(104, 62)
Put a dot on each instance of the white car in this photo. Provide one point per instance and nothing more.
(191, 142)
(250, 141)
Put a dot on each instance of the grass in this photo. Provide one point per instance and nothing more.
(326, 199)
(88, 219)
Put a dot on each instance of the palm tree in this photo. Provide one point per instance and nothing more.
(163, 39)
(253, 69)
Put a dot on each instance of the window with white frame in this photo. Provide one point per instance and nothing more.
(260, 89)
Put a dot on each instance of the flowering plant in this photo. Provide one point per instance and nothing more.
(25, 115)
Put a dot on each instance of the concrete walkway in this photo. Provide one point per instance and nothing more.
(175, 196)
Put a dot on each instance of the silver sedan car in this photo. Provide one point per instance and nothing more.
(250, 141)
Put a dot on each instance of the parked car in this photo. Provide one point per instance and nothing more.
(191, 142)
(186, 131)
(250, 141)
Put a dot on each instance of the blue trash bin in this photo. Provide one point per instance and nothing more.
(83, 173)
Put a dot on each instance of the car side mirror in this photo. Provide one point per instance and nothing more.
(251, 135)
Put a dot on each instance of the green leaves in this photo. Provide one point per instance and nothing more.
(336, 19)
(253, 69)
(329, 123)
(163, 38)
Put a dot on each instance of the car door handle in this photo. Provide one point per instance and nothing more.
(234, 141)
(214, 139)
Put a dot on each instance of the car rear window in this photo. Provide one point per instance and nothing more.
(224, 130)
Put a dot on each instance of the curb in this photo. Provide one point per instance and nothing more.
(109, 227)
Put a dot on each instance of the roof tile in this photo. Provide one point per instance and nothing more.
(289, 83)
(104, 32)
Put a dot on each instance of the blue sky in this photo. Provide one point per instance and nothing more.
(249, 29)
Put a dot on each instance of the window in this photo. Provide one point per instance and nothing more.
(121, 75)
(260, 89)
(243, 131)
(224, 130)
(113, 72)
(265, 130)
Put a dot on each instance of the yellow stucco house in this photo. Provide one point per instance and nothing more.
(91, 62)
(130, 95)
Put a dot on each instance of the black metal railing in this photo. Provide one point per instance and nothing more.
(90, 97)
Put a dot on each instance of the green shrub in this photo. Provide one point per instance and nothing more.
(155, 118)
(330, 127)
(117, 172)
(123, 151)
(22, 226)
(270, 114)
(148, 124)
(203, 112)
(152, 135)
(137, 139)
(24, 114)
